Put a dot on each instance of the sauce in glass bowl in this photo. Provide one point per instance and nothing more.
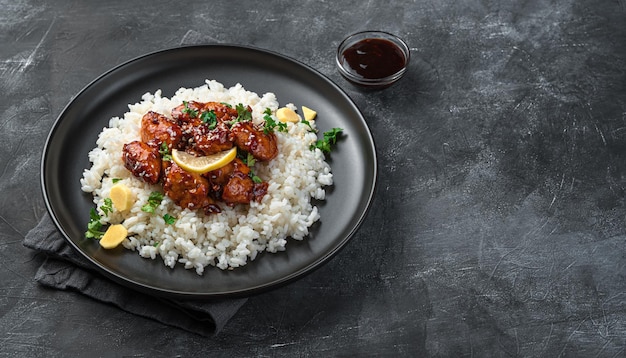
(372, 59)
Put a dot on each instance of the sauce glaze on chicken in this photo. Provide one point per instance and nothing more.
(201, 129)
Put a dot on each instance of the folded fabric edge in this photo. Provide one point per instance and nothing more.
(65, 269)
(59, 274)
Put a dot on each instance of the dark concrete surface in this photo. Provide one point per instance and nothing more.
(498, 227)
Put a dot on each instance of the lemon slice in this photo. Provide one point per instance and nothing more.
(203, 164)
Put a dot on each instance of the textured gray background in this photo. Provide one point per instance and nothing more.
(498, 225)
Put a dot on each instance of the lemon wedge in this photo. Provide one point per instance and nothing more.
(203, 164)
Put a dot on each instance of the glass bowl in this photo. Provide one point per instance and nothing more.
(372, 59)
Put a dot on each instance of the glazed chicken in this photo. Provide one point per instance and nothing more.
(201, 129)
(233, 185)
(157, 129)
(205, 141)
(254, 141)
(188, 190)
(191, 112)
(143, 160)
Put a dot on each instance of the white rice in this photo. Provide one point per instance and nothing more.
(236, 235)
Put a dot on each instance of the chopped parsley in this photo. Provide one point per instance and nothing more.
(190, 111)
(94, 227)
(330, 138)
(308, 125)
(165, 152)
(209, 118)
(226, 104)
(115, 180)
(243, 114)
(249, 161)
(271, 124)
(107, 207)
(243, 156)
(169, 219)
(255, 178)
(154, 200)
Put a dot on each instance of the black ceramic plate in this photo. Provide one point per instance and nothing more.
(74, 134)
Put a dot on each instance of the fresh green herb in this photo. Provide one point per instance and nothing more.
(107, 207)
(246, 158)
(309, 125)
(226, 104)
(267, 114)
(156, 244)
(249, 161)
(190, 111)
(165, 152)
(271, 124)
(210, 118)
(154, 200)
(243, 114)
(243, 156)
(330, 138)
(169, 219)
(94, 227)
(115, 180)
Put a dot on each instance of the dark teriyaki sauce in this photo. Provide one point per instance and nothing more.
(373, 58)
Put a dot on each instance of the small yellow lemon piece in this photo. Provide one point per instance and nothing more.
(285, 114)
(114, 235)
(308, 113)
(203, 164)
(122, 197)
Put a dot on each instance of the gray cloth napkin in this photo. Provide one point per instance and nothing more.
(66, 269)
